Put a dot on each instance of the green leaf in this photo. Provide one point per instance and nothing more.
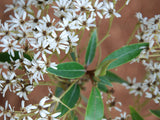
(102, 68)
(73, 56)
(125, 54)
(104, 80)
(58, 91)
(95, 108)
(110, 77)
(68, 70)
(5, 57)
(70, 99)
(102, 87)
(155, 112)
(134, 114)
(91, 49)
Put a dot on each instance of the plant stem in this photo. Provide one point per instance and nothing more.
(107, 34)
(133, 33)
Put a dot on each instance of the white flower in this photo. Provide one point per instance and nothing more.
(67, 25)
(130, 83)
(155, 95)
(72, 39)
(140, 18)
(12, 114)
(123, 116)
(41, 3)
(46, 63)
(43, 32)
(34, 19)
(83, 5)
(23, 90)
(51, 117)
(18, 20)
(41, 107)
(97, 7)
(87, 22)
(136, 89)
(62, 5)
(24, 6)
(47, 21)
(112, 104)
(5, 31)
(109, 10)
(11, 6)
(10, 46)
(4, 111)
(7, 81)
(41, 46)
(59, 42)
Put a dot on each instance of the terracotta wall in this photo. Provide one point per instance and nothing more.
(120, 32)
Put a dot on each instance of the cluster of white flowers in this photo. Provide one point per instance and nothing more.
(150, 86)
(29, 111)
(113, 104)
(149, 32)
(34, 33)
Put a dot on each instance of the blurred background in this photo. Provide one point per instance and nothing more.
(121, 30)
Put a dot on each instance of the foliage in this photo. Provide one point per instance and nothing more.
(35, 47)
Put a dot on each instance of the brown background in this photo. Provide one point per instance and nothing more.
(120, 32)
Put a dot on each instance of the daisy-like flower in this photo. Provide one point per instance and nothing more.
(23, 35)
(24, 110)
(87, 22)
(66, 25)
(73, 17)
(108, 10)
(43, 32)
(60, 14)
(23, 90)
(72, 39)
(24, 6)
(123, 116)
(153, 68)
(62, 5)
(141, 19)
(34, 19)
(59, 42)
(36, 70)
(98, 6)
(7, 81)
(4, 111)
(47, 21)
(22, 61)
(10, 46)
(51, 117)
(83, 5)
(41, 3)
(147, 84)
(137, 89)
(46, 63)
(155, 95)
(18, 20)
(130, 83)
(12, 115)
(112, 104)
(42, 46)
(41, 108)
(11, 6)
(5, 31)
